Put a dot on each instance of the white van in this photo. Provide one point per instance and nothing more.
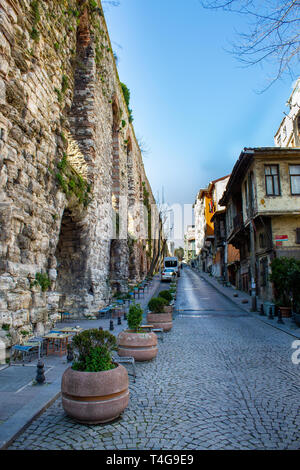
(172, 262)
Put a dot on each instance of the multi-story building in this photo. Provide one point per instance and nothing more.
(189, 244)
(262, 202)
(288, 134)
(209, 257)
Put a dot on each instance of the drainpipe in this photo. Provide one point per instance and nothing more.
(226, 260)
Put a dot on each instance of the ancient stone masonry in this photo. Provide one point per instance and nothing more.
(70, 168)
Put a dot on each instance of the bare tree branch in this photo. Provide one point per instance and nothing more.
(273, 36)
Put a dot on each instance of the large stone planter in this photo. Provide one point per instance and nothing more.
(141, 346)
(95, 397)
(297, 318)
(160, 320)
(168, 309)
(286, 312)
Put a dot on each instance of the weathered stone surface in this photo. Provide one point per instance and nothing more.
(70, 167)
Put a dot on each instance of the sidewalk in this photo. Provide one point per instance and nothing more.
(243, 300)
(21, 401)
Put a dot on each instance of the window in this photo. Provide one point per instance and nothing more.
(262, 240)
(246, 197)
(284, 132)
(264, 272)
(298, 124)
(298, 236)
(295, 179)
(272, 180)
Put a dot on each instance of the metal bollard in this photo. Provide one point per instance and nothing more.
(262, 313)
(279, 316)
(40, 376)
(125, 316)
(119, 321)
(70, 355)
(111, 325)
(270, 317)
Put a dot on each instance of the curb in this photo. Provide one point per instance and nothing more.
(13, 427)
(254, 314)
(17, 423)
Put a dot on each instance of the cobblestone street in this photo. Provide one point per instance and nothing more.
(222, 380)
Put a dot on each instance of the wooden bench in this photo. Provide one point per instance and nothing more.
(155, 330)
(64, 315)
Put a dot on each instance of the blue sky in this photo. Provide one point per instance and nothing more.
(194, 106)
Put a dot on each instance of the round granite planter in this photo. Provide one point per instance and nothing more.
(297, 318)
(95, 397)
(160, 320)
(168, 309)
(141, 346)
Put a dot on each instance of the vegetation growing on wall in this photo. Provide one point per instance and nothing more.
(149, 218)
(72, 183)
(42, 280)
(126, 94)
(36, 18)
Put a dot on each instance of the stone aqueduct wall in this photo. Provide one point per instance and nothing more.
(69, 162)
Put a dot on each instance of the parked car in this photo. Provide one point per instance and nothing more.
(168, 274)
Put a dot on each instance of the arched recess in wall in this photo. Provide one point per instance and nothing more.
(115, 248)
(115, 156)
(71, 253)
(70, 257)
(130, 173)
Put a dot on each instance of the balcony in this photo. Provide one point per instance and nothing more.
(238, 222)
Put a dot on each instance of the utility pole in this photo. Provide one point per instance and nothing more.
(252, 253)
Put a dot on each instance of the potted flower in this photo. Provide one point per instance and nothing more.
(94, 389)
(280, 276)
(134, 341)
(157, 315)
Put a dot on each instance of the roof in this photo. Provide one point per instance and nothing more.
(244, 161)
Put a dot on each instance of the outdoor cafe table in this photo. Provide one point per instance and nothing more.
(69, 329)
(57, 343)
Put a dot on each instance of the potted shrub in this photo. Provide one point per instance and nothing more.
(134, 341)
(280, 276)
(94, 389)
(157, 316)
(167, 295)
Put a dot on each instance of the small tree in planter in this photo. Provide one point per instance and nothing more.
(295, 289)
(135, 342)
(281, 278)
(135, 317)
(94, 374)
(160, 314)
(157, 304)
(93, 351)
(166, 294)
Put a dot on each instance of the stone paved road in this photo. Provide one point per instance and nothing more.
(222, 380)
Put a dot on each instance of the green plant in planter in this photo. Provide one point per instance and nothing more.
(93, 350)
(135, 317)
(157, 304)
(166, 294)
(281, 278)
(294, 275)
